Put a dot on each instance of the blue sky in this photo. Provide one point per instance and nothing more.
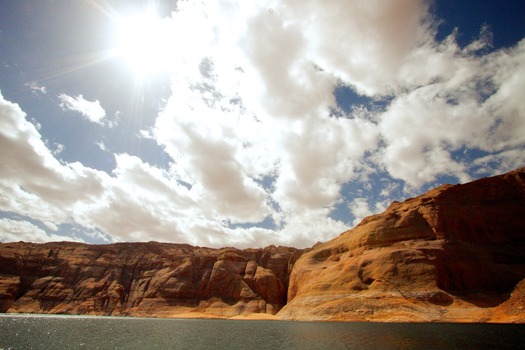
(232, 124)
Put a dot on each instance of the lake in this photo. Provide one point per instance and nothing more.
(85, 332)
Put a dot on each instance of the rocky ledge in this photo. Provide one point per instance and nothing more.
(454, 254)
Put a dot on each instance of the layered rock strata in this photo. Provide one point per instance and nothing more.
(456, 253)
(143, 279)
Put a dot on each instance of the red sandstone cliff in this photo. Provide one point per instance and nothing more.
(143, 279)
(456, 253)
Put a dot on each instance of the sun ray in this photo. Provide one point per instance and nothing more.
(80, 62)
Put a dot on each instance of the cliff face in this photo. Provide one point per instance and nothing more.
(143, 279)
(456, 253)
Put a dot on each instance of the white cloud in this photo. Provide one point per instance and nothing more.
(37, 89)
(506, 105)
(360, 209)
(18, 230)
(102, 146)
(33, 182)
(145, 134)
(474, 105)
(140, 203)
(305, 228)
(318, 158)
(206, 148)
(280, 62)
(500, 162)
(91, 110)
(250, 132)
(421, 129)
(55, 148)
(363, 43)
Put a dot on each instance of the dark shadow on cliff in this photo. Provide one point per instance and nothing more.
(484, 275)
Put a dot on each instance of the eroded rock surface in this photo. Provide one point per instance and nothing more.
(456, 253)
(143, 279)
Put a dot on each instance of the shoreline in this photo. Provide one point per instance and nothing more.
(252, 317)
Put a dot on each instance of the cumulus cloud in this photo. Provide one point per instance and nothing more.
(34, 182)
(25, 153)
(305, 228)
(288, 57)
(360, 209)
(363, 43)
(423, 127)
(18, 230)
(505, 105)
(320, 157)
(139, 204)
(204, 146)
(91, 110)
(258, 148)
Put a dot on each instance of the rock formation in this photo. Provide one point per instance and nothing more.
(456, 253)
(143, 279)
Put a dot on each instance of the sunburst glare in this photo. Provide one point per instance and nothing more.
(143, 43)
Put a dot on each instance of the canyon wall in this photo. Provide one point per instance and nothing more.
(456, 253)
(143, 279)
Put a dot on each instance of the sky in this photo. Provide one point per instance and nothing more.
(243, 123)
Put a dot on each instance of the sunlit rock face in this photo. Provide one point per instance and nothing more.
(456, 253)
(143, 279)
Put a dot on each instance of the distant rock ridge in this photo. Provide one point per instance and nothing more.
(453, 254)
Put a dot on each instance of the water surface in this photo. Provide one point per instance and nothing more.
(84, 332)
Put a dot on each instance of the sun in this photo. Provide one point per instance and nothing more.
(143, 43)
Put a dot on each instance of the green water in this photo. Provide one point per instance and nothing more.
(79, 332)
